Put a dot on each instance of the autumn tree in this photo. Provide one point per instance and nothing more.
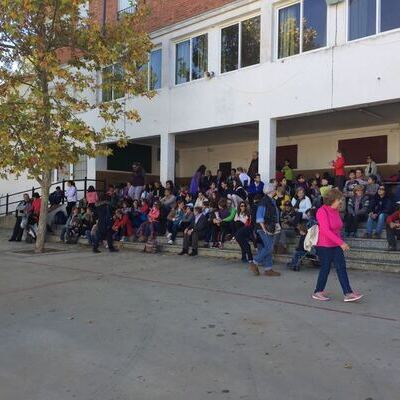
(44, 97)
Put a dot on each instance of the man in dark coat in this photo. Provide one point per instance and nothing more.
(253, 168)
(196, 231)
(104, 226)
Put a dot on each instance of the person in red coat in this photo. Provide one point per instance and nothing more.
(339, 172)
(122, 226)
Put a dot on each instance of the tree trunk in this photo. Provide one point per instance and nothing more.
(42, 229)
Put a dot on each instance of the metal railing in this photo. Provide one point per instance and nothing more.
(127, 10)
(9, 200)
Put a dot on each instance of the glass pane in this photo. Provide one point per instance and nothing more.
(107, 84)
(250, 46)
(182, 64)
(199, 56)
(118, 81)
(314, 24)
(155, 69)
(230, 48)
(123, 4)
(289, 31)
(362, 18)
(390, 15)
(80, 168)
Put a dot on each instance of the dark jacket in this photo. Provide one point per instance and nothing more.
(267, 213)
(363, 208)
(380, 205)
(201, 226)
(104, 217)
(253, 169)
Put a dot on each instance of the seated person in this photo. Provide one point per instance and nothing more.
(212, 189)
(325, 187)
(243, 177)
(380, 207)
(168, 202)
(372, 186)
(299, 252)
(357, 210)
(56, 197)
(256, 187)
(122, 226)
(87, 221)
(301, 183)
(221, 220)
(360, 177)
(315, 193)
(289, 217)
(348, 189)
(393, 228)
(200, 200)
(148, 229)
(237, 193)
(242, 218)
(196, 231)
(281, 198)
(72, 229)
(174, 221)
(301, 203)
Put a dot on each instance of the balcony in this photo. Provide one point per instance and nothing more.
(125, 11)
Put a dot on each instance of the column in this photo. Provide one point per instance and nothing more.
(267, 148)
(167, 157)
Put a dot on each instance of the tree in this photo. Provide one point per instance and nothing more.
(52, 53)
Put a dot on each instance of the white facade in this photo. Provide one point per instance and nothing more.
(343, 74)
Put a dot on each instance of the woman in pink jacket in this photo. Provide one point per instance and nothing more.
(331, 247)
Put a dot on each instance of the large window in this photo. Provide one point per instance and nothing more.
(240, 45)
(80, 168)
(155, 67)
(191, 59)
(302, 27)
(111, 79)
(368, 17)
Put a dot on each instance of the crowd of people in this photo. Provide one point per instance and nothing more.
(214, 209)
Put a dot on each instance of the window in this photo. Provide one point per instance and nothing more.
(155, 69)
(295, 37)
(80, 168)
(191, 60)
(356, 150)
(240, 45)
(368, 17)
(112, 77)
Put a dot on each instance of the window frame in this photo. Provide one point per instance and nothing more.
(185, 39)
(112, 86)
(156, 48)
(276, 30)
(239, 22)
(378, 25)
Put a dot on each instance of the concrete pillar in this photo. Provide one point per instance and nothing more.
(167, 157)
(267, 148)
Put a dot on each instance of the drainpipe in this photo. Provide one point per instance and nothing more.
(104, 14)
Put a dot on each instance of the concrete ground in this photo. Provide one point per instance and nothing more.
(132, 326)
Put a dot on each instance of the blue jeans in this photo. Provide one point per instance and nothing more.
(327, 257)
(264, 252)
(297, 256)
(377, 224)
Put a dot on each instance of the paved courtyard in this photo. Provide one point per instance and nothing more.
(131, 326)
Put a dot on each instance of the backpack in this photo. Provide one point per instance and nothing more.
(60, 218)
(311, 238)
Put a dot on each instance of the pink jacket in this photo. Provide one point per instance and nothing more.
(330, 225)
(92, 198)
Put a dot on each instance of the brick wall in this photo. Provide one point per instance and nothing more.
(163, 12)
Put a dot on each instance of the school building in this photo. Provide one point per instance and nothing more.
(292, 79)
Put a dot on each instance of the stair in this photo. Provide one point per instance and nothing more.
(365, 254)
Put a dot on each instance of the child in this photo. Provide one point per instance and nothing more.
(299, 252)
(288, 172)
(325, 187)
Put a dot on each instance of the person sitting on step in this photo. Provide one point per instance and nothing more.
(393, 228)
(196, 231)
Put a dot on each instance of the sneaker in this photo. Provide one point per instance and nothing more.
(220, 246)
(124, 239)
(170, 241)
(254, 269)
(353, 297)
(271, 272)
(320, 296)
(169, 235)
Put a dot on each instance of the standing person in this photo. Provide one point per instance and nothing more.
(22, 211)
(104, 225)
(288, 173)
(206, 181)
(253, 167)
(196, 231)
(266, 223)
(330, 247)
(338, 167)
(371, 168)
(91, 197)
(137, 180)
(71, 194)
(56, 197)
(196, 180)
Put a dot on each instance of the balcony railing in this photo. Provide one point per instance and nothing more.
(127, 10)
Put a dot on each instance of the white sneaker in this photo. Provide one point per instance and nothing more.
(170, 241)
(169, 235)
